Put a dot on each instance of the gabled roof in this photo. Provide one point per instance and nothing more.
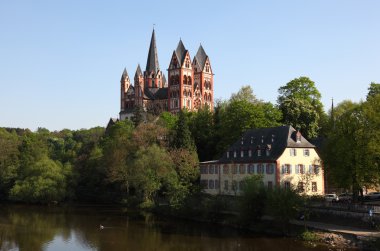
(124, 75)
(138, 71)
(131, 90)
(276, 139)
(156, 93)
(201, 57)
(180, 52)
(152, 62)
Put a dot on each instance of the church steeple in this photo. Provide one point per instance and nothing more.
(152, 62)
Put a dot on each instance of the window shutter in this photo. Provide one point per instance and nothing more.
(317, 170)
(282, 169)
(310, 169)
(297, 169)
(290, 169)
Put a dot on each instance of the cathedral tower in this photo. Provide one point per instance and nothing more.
(180, 72)
(125, 83)
(153, 74)
(203, 80)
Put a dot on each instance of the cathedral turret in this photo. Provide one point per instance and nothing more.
(125, 83)
(139, 86)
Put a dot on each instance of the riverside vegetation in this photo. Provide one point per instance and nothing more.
(153, 160)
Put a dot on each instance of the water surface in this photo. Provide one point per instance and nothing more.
(33, 228)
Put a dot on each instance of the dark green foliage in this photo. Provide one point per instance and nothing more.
(182, 135)
(373, 90)
(138, 115)
(299, 102)
(253, 199)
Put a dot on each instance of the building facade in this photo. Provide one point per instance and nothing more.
(280, 154)
(190, 83)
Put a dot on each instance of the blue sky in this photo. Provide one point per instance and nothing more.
(61, 61)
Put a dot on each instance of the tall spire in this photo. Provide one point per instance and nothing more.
(201, 57)
(152, 62)
(180, 52)
(125, 75)
(138, 71)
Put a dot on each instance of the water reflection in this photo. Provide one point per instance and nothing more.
(77, 228)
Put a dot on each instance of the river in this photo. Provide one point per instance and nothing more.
(38, 228)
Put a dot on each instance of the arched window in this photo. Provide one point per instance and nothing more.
(209, 97)
(184, 93)
(189, 80)
(184, 79)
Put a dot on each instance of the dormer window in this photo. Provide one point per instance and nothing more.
(262, 139)
(298, 137)
(242, 140)
(241, 153)
(272, 138)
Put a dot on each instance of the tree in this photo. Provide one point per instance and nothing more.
(183, 137)
(42, 181)
(138, 115)
(253, 198)
(299, 101)
(245, 93)
(373, 90)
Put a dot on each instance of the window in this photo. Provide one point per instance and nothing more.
(301, 169)
(314, 186)
(267, 152)
(250, 153)
(242, 141)
(287, 184)
(306, 152)
(293, 152)
(260, 168)
(270, 169)
(226, 185)
(251, 140)
(228, 155)
(242, 153)
(211, 169)
(203, 169)
(287, 169)
(234, 169)
(300, 187)
(216, 169)
(211, 184)
(242, 169)
(226, 169)
(316, 169)
(251, 168)
(216, 184)
(270, 185)
(259, 152)
(234, 154)
(234, 185)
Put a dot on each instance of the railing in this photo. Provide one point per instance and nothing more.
(362, 208)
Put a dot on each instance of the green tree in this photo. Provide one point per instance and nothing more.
(283, 204)
(9, 161)
(253, 199)
(138, 115)
(299, 101)
(373, 90)
(42, 181)
(245, 93)
(183, 137)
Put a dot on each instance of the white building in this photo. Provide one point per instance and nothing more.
(280, 154)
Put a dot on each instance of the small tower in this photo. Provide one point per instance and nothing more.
(153, 74)
(180, 72)
(125, 83)
(203, 80)
(139, 87)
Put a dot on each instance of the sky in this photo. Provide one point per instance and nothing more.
(61, 61)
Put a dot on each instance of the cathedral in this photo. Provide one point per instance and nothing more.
(189, 86)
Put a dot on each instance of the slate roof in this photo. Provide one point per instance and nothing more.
(138, 71)
(152, 62)
(201, 57)
(277, 139)
(125, 74)
(180, 52)
(131, 90)
(156, 93)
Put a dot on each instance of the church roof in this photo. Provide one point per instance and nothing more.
(180, 52)
(152, 62)
(125, 74)
(138, 71)
(156, 93)
(275, 139)
(201, 57)
(164, 84)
